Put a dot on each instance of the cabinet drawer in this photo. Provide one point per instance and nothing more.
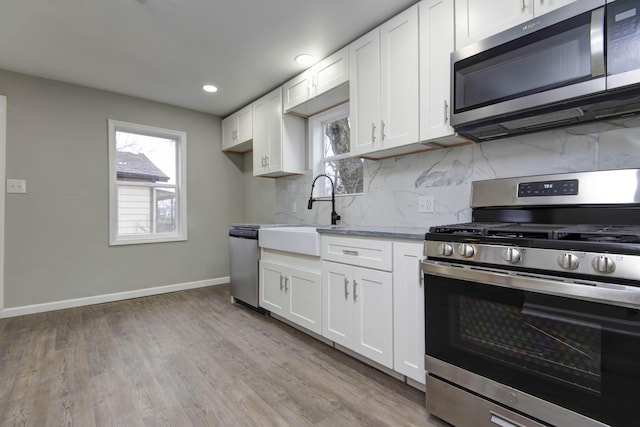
(364, 252)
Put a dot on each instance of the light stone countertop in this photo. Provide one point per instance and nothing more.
(414, 233)
(387, 232)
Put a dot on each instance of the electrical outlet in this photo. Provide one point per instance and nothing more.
(426, 204)
(18, 186)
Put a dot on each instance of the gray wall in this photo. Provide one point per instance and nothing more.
(259, 195)
(57, 234)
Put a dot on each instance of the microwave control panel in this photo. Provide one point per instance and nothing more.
(623, 36)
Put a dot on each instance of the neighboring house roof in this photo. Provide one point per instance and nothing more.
(134, 166)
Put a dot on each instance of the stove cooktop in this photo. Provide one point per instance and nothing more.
(564, 232)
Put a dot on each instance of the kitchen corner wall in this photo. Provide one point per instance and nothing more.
(392, 186)
(56, 235)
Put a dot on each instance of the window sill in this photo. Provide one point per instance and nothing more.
(140, 240)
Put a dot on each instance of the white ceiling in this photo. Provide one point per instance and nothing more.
(165, 50)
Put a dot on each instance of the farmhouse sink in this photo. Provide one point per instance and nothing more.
(300, 240)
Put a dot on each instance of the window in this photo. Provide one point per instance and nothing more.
(330, 136)
(147, 184)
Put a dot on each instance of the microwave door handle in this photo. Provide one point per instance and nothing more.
(597, 42)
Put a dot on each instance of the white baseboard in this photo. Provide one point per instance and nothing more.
(99, 299)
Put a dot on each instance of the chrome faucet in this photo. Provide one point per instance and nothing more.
(334, 215)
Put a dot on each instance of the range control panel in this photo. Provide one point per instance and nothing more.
(565, 187)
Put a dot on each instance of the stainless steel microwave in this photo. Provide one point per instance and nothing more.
(578, 63)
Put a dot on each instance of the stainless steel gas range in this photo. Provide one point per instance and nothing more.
(533, 309)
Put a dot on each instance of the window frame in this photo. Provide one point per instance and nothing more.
(316, 145)
(180, 137)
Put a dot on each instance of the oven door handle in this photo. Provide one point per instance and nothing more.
(619, 295)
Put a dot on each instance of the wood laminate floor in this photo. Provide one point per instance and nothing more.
(188, 358)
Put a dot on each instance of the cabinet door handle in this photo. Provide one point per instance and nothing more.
(281, 285)
(350, 252)
(355, 294)
(373, 133)
(346, 288)
(524, 5)
(382, 129)
(286, 283)
(266, 160)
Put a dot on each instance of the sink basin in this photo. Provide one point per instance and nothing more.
(300, 240)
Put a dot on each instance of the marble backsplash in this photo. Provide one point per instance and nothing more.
(392, 186)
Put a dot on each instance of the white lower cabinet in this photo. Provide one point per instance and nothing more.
(292, 293)
(357, 300)
(408, 312)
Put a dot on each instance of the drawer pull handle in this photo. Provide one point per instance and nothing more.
(350, 252)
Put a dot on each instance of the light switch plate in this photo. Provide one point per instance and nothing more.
(16, 186)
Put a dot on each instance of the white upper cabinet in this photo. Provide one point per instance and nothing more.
(436, 45)
(237, 131)
(476, 20)
(278, 139)
(320, 87)
(383, 82)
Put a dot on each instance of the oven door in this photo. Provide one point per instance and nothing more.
(538, 335)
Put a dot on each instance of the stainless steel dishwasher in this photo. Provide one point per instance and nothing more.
(244, 257)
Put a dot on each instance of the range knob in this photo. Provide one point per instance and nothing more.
(603, 264)
(466, 250)
(445, 249)
(512, 255)
(569, 261)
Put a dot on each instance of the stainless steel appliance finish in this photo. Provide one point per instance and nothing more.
(533, 308)
(550, 71)
(614, 187)
(244, 259)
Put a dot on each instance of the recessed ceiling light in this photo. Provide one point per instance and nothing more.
(304, 59)
(209, 88)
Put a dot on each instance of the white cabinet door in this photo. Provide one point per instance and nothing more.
(245, 124)
(408, 311)
(272, 292)
(476, 20)
(228, 132)
(237, 130)
(260, 136)
(274, 125)
(373, 315)
(304, 289)
(278, 140)
(436, 45)
(364, 92)
(331, 72)
(297, 90)
(399, 61)
(337, 321)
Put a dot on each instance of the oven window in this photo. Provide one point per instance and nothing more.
(530, 338)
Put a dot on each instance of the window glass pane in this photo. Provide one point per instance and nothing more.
(346, 173)
(134, 210)
(336, 137)
(165, 210)
(145, 158)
